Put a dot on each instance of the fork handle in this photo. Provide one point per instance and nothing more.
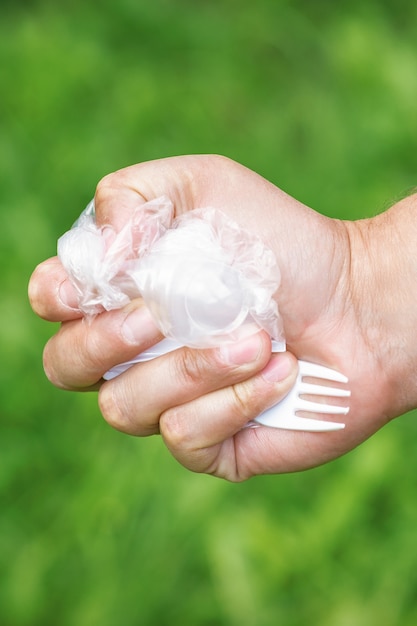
(281, 415)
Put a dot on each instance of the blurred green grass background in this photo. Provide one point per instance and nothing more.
(98, 528)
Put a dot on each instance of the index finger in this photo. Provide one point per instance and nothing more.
(120, 192)
(51, 293)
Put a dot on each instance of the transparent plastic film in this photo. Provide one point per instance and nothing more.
(97, 259)
(205, 280)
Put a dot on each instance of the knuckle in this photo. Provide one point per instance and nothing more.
(108, 408)
(49, 367)
(105, 191)
(190, 367)
(118, 410)
(109, 184)
(242, 399)
(91, 349)
(36, 293)
(92, 352)
(111, 408)
(173, 429)
(33, 292)
(72, 359)
(104, 185)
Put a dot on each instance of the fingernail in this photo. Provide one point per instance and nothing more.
(245, 351)
(138, 325)
(67, 295)
(278, 368)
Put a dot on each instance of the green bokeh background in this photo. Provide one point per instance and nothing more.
(97, 528)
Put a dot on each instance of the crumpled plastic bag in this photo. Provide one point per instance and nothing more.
(97, 259)
(204, 278)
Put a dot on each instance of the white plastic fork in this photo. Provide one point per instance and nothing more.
(284, 413)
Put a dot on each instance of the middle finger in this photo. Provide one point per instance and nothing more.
(134, 401)
(82, 351)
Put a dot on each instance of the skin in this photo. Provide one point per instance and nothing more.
(346, 299)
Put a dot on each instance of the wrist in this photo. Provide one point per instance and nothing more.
(384, 296)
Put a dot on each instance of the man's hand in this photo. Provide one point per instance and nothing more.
(343, 299)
